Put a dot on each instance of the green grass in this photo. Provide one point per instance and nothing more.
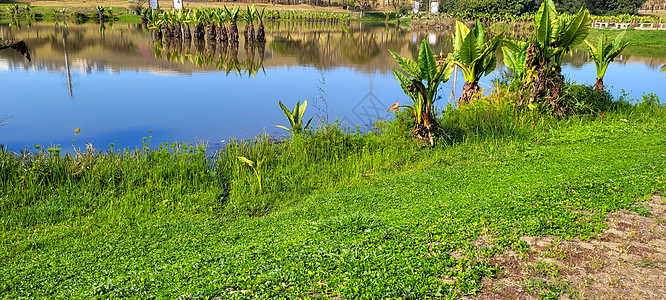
(371, 215)
(634, 37)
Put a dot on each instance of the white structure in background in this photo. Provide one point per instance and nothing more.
(154, 4)
(416, 7)
(434, 7)
(177, 4)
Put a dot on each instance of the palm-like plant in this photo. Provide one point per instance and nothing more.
(209, 20)
(233, 28)
(196, 17)
(100, 12)
(604, 54)
(515, 53)
(295, 117)
(421, 83)
(474, 57)
(181, 18)
(261, 35)
(156, 23)
(555, 36)
(249, 16)
(220, 17)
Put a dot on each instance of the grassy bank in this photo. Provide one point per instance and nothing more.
(634, 37)
(348, 215)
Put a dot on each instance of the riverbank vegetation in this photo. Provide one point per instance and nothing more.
(332, 212)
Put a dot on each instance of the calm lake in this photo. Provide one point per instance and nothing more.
(118, 86)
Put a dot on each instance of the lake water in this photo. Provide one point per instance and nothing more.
(118, 86)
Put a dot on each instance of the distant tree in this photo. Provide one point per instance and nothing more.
(365, 5)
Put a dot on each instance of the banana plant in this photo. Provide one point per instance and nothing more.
(233, 28)
(261, 35)
(295, 117)
(515, 55)
(604, 54)
(421, 83)
(555, 36)
(156, 23)
(474, 57)
(249, 17)
(255, 166)
(220, 18)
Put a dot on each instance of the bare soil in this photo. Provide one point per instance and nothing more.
(626, 261)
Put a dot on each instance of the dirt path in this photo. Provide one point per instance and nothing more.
(627, 261)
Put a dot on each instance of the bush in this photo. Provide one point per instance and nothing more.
(584, 99)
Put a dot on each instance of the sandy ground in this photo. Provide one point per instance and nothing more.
(627, 261)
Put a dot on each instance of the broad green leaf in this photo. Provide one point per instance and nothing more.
(301, 109)
(577, 29)
(407, 65)
(468, 50)
(404, 82)
(547, 23)
(287, 113)
(515, 45)
(459, 36)
(427, 63)
(509, 58)
(478, 32)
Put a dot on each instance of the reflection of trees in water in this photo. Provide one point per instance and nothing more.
(289, 43)
(222, 56)
(359, 48)
(306, 51)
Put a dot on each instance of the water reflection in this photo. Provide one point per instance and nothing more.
(116, 72)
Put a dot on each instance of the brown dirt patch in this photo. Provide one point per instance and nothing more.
(626, 261)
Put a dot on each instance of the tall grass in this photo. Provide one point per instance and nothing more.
(42, 187)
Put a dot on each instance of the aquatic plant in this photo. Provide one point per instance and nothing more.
(220, 18)
(249, 17)
(295, 118)
(421, 86)
(156, 23)
(261, 35)
(233, 28)
(474, 56)
(555, 36)
(196, 17)
(604, 54)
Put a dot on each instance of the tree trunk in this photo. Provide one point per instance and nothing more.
(249, 33)
(199, 31)
(469, 92)
(599, 85)
(187, 34)
(221, 34)
(233, 33)
(178, 31)
(210, 32)
(261, 35)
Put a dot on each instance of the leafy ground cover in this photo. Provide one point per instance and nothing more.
(371, 215)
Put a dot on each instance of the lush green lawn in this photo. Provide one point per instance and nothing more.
(383, 226)
(634, 37)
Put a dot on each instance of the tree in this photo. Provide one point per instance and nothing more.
(420, 81)
(555, 36)
(474, 57)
